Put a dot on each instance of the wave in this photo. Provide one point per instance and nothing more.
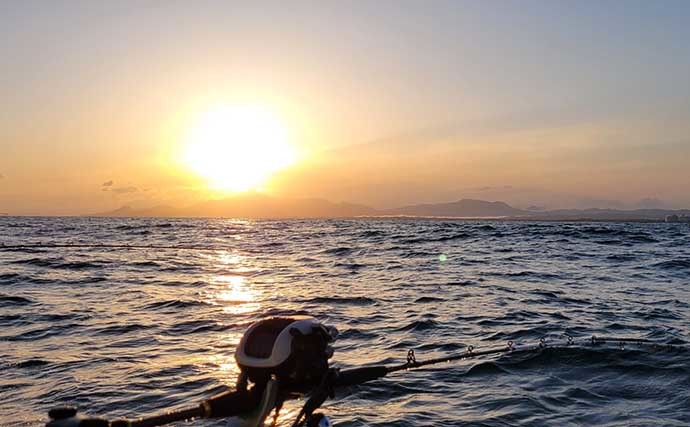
(42, 333)
(197, 326)
(559, 297)
(527, 274)
(173, 304)
(20, 279)
(8, 300)
(422, 300)
(372, 233)
(122, 329)
(486, 227)
(341, 300)
(674, 264)
(145, 264)
(604, 235)
(356, 334)
(29, 363)
(59, 263)
(458, 236)
(659, 314)
(419, 325)
(340, 251)
(485, 369)
(622, 257)
(353, 266)
(20, 249)
(278, 312)
(129, 227)
(9, 278)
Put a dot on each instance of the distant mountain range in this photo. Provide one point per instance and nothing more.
(262, 206)
(253, 206)
(466, 208)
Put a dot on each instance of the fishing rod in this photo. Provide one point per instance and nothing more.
(287, 358)
(359, 376)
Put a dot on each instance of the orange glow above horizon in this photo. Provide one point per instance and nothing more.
(238, 148)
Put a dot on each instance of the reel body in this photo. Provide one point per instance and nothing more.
(294, 350)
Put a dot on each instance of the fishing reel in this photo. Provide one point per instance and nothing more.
(283, 357)
(293, 350)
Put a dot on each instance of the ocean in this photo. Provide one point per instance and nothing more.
(130, 317)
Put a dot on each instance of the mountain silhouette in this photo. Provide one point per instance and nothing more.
(466, 208)
(255, 205)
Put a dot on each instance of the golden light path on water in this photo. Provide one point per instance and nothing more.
(229, 289)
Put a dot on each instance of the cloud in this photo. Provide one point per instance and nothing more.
(108, 186)
(125, 190)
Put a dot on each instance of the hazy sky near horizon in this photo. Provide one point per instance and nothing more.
(549, 103)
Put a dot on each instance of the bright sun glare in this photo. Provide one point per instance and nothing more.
(238, 148)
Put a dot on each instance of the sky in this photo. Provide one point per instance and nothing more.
(549, 104)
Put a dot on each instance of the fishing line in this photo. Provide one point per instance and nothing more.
(9, 248)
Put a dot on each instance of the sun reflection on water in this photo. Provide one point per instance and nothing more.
(231, 289)
(235, 295)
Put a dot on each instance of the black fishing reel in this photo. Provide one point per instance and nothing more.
(293, 350)
(283, 357)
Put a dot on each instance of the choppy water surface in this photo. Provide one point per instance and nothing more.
(126, 332)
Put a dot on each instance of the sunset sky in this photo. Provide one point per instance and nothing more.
(386, 103)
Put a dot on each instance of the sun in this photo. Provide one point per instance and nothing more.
(238, 148)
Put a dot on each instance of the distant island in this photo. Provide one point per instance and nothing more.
(262, 206)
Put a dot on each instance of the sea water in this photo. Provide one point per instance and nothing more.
(148, 319)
